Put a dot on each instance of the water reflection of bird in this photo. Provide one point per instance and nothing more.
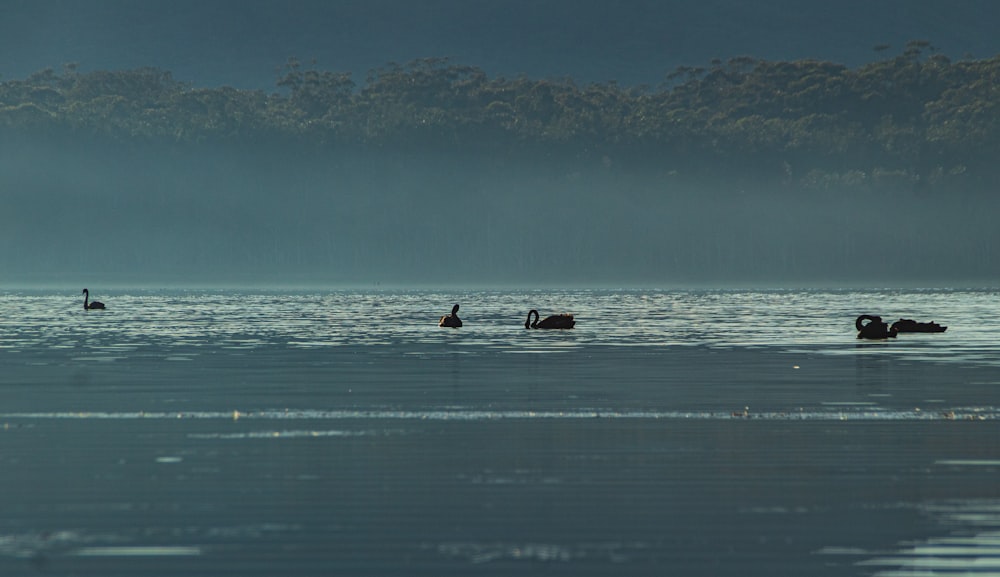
(874, 329)
(451, 320)
(561, 321)
(90, 305)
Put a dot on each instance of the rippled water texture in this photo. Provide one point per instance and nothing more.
(688, 433)
(814, 319)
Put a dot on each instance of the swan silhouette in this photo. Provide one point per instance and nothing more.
(912, 326)
(874, 329)
(90, 305)
(561, 321)
(451, 320)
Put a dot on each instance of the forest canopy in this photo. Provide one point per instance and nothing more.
(915, 120)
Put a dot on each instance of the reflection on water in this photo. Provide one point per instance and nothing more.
(827, 412)
(184, 322)
(971, 548)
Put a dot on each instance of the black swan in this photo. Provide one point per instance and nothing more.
(451, 320)
(90, 305)
(562, 321)
(912, 326)
(875, 329)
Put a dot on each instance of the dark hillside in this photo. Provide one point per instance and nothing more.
(745, 171)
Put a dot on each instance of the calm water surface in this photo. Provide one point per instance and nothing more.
(688, 433)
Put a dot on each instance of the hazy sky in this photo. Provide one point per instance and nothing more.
(243, 42)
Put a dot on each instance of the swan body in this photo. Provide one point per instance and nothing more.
(451, 320)
(561, 321)
(874, 329)
(90, 305)
(912, 326)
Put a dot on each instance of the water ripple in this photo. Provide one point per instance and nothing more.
(986, 413)
(179, 324)
(975, 550)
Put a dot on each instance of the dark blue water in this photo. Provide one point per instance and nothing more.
(688, 433)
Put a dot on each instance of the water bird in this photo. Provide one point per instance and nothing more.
(874, 329)
(560, 321)
(912, 326)
(451, 320)
(90, 305)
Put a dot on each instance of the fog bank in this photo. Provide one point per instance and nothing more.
(104, 214)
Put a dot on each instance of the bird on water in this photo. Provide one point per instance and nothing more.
(90, 305)
(451, 320)
(875, 328)
(560, 321)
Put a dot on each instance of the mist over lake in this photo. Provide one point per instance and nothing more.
(202, 214)
(849, 156)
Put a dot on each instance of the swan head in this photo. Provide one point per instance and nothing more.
(454, 310)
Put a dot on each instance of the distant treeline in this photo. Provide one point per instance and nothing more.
(915, 120)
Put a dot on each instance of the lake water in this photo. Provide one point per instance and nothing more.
(689, 433)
